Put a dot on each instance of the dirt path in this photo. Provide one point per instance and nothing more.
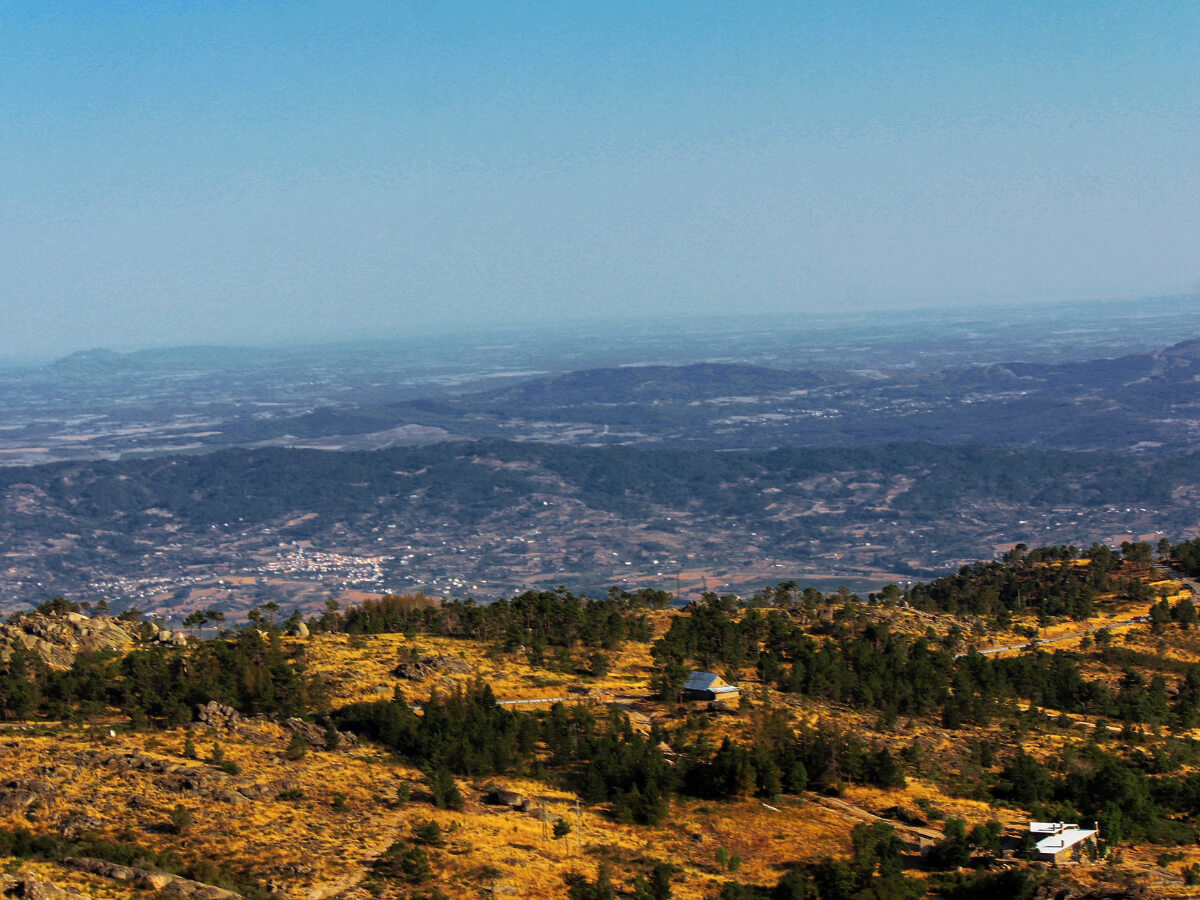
(358, 869)
(915, 833)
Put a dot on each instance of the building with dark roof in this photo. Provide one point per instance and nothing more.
(707, 686)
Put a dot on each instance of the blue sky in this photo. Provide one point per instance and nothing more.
(218, 172)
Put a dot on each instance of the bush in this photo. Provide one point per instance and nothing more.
(404, 862)
(428, 832)
(296, 747)
(181, 818)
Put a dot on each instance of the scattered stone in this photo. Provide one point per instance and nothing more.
(185, 889)
(136, 762)
(256, 792)
(225, 795)
(187, 781)
(102, 868)
(286, 784)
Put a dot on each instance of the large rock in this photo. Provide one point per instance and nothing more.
(502, 797)
(422, 667)
(30, 887)
(314, 735)
(56, 638)
(166, 884)
(79, 825)
(16, 796)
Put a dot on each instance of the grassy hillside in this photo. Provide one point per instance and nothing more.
(254, 809)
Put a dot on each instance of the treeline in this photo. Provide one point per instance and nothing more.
(876, 668)
(162, 686)
(1052, 581)
(605, 759)
(1187, 553)
(557, 618)
(1021, 585)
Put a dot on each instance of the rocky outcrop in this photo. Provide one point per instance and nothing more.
(424, 666)
(218, 716)
(177, 638)
(79, 825)
(19, 795)
(166, 884)
(30, 887)
(1075, 892)
(58, 637)
(315, 736)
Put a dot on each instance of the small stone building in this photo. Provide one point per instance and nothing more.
(709, 687)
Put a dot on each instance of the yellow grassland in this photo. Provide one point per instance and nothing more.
(318, 846)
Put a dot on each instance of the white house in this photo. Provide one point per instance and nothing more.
(1059, 842)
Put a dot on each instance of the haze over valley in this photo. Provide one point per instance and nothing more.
(471, 468)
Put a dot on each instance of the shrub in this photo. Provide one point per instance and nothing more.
(428, 832)
(296, 747)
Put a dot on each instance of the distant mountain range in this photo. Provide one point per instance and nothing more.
(1141, 403)
(626, 474)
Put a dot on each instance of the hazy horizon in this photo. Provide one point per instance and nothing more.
(290, 173)
(1090, 318)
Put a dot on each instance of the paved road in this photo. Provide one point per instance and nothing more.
(419, 708)
(1168, 571)
(1172, 572)
(1056, 638)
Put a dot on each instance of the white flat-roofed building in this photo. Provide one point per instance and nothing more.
(1059, 842)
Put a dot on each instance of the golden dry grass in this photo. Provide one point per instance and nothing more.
(317, 846)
